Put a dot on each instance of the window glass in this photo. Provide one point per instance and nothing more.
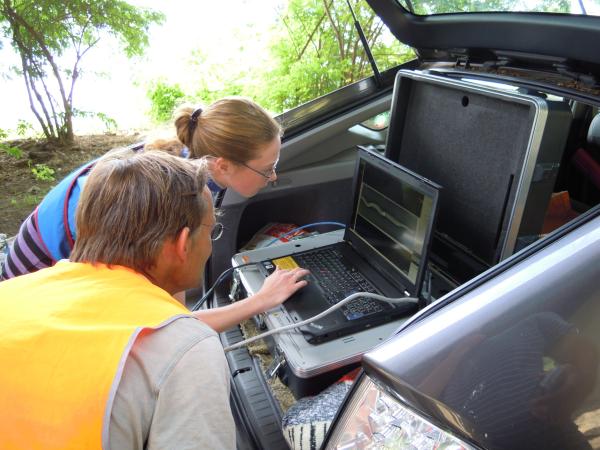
(316, 49)
(379, 122)
(427, 7)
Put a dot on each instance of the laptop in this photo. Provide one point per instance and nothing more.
(384, 251)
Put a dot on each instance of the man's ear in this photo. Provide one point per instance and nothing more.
(182, 244)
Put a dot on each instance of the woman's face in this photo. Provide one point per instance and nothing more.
(250, 177)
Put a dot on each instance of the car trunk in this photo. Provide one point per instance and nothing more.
(511, 152)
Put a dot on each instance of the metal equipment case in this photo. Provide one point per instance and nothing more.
(495, 150)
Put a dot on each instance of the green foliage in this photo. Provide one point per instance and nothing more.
(315, 50)
(42, 172)
(24, 128)
(32, 199)
(110, 124)
(27, 200)
(15, 152)
(219, 80)
(164, 98)
(52, 37)
(319, 51)
(426, 7)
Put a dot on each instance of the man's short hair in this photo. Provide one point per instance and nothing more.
(132, 204)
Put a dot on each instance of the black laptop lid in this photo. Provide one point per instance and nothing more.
(392, 219)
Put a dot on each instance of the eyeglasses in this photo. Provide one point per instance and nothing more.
(267, 175)
(216, 232)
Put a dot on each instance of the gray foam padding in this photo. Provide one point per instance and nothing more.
(474, 145)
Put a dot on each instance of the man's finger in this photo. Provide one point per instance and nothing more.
(300, 284)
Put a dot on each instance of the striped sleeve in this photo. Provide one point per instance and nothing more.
(27, 253)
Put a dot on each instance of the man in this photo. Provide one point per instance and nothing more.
(95, 352)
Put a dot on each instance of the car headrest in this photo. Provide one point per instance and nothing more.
(593, 136)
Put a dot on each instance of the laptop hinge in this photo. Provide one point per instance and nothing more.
(395, 283)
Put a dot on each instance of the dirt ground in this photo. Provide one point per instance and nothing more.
(22, 191)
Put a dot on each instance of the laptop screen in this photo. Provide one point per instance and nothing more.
(393, 215)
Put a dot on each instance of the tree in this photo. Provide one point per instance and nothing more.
(51, 37)
(164, 98)
(315, 49)
(218, 79)
(318, 50)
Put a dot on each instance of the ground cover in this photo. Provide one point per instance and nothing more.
(26, 179)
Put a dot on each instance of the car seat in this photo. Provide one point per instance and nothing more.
(586, 159)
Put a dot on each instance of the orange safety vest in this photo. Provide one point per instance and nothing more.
(65, 333)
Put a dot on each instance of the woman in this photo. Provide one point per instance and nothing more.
(239, 138)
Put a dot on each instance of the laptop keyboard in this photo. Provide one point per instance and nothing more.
(338, 281)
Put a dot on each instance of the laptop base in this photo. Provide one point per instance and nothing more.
(305, 362)
(352, 275)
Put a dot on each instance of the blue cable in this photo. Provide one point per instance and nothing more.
(302, 228)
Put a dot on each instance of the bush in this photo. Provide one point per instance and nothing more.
(164, 98)
(25, 129)
(15, 152)
(42, 172)
(9, 149)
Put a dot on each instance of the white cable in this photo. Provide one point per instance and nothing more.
(321, 315)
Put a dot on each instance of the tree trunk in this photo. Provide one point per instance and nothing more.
(62, 131)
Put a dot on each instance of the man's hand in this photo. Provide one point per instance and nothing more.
(279, 286)
(276, 289)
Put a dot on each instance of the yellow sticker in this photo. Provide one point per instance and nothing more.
(285, 263)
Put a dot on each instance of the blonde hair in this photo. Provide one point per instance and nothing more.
(234, 128)
(169, 145)
(132, 204)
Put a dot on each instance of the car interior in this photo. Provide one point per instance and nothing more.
(542, 153)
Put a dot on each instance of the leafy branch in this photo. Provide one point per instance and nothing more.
(70, 30)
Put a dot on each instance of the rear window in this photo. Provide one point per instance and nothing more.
(316, 49)
(430, 7)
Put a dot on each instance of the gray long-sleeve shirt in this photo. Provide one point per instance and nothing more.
(174, 393)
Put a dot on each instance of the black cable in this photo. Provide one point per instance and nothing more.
(220, 278)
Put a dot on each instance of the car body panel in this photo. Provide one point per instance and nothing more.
(534, 36)
(424, 362)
